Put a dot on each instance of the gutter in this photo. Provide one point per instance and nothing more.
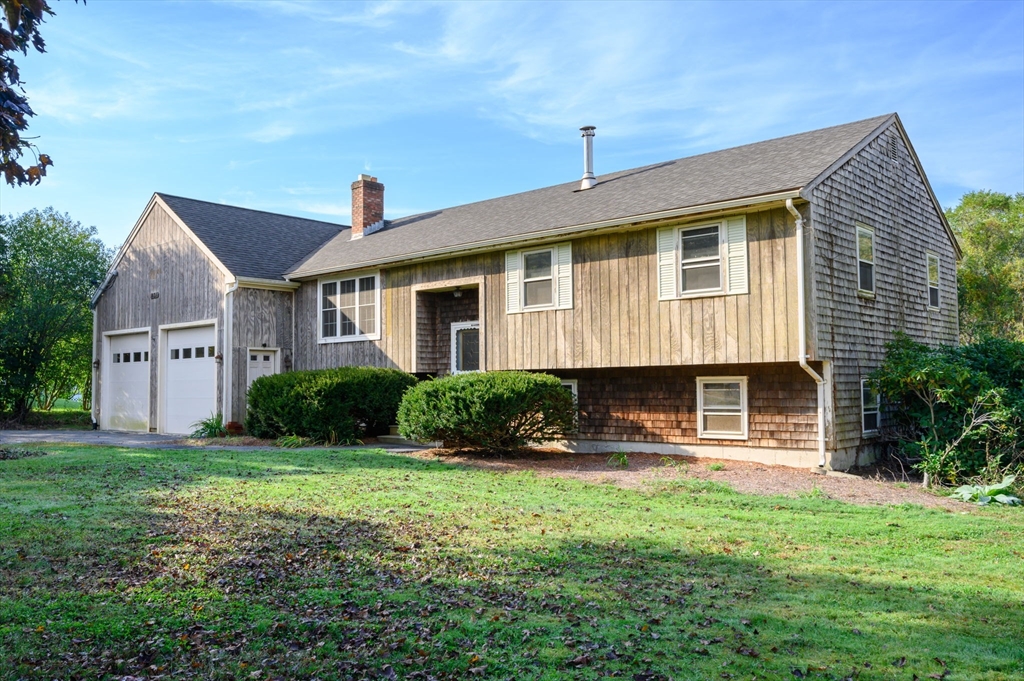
(801, 306)
(228, 355)
(535, 237)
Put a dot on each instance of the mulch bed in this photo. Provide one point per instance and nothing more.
(872, 485)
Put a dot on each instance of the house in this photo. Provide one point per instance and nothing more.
(729, 304)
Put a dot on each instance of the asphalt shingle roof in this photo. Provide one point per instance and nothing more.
(252, 243)
(777, 165)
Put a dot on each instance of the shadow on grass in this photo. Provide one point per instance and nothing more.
(155, 576)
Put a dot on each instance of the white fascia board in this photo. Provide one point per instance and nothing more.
(270, 284)
(555, 234)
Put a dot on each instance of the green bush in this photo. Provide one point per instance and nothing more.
(501, 410)
(958, 411)
(334, 406)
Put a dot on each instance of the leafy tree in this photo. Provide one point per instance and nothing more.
(49, 267)
(990, 278)
(19, 29)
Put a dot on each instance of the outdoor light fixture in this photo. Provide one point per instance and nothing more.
(457, 292)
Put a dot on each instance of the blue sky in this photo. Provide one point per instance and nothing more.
(279, 105)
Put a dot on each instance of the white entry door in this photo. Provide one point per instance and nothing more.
(190, 387)
(261, 363)
(125, 400)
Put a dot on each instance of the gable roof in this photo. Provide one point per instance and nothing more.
(251, 243)
(754, 170)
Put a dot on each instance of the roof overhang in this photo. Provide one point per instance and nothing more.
(266, 284)
(642, 220)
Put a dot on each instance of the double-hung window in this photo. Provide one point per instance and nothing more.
(722, 407)
(865, 259)
(349, 308)
(870, 406)
(700, 259)
(933, 281)
(703, 260)
(538, 278)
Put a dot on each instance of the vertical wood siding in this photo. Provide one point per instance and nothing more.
(261, 317)
(849, 330)
(161, 259)
(616, 319)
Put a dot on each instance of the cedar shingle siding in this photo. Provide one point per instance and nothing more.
(892, 198)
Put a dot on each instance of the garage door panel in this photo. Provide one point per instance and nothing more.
(189, 390)
(126, 392)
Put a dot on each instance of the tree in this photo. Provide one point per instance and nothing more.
(17, 33)
(990, 279)
(50, 265)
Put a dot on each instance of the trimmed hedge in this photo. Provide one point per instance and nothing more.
(498, 410)
(330, 405)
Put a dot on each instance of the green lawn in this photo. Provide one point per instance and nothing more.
(122, 563)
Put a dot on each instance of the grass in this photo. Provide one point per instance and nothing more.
(60, 417)
(118, 563)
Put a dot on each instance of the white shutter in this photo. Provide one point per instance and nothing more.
(563, 276)
(736, 254)
(667, 289)
(513, 274)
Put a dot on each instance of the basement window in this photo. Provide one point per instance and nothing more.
(349, 309)
(870, 407)
(722, 407)
(933, 281)
(865, 259)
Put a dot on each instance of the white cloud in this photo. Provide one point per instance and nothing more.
(272, 132)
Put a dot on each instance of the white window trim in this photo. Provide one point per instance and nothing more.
(928, 256)
(551, 277)
(321, 339)
(874, 257)
(456, 327)
(573, 385)
(722, 262)
(863, 410)
(744, 411)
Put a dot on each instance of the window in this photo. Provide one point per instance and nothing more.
(465, 347)
(209, 351)
(700, 258)
(200, 352)
(186, 353)
(869, 401)
(933, 280)
(866, 259)
(174, 353)
(117, 358)
(572, 385)
(703, 260)
(127, 356)
(252, 358)
(722, 407)
(145, 356)
(348, 309)
(538, 278)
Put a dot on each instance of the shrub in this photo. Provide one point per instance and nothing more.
(500, 410)
(984, 495)
(211, 426)
(958, 412)
(336, 406)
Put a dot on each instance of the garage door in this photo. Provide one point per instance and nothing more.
(126, 390)
(189, 392)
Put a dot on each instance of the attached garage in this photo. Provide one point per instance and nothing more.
(126, 383)
(189, 378)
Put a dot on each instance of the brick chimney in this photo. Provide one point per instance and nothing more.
(367, 206)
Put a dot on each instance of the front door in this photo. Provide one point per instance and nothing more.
(261, 363)
(465, 347)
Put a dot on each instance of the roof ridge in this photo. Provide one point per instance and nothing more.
(649, 165)
(252, 210)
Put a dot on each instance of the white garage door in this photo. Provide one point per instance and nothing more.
(126, 391)
(189, 392)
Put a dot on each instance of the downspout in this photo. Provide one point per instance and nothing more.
(801, 325)
(228, 355)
